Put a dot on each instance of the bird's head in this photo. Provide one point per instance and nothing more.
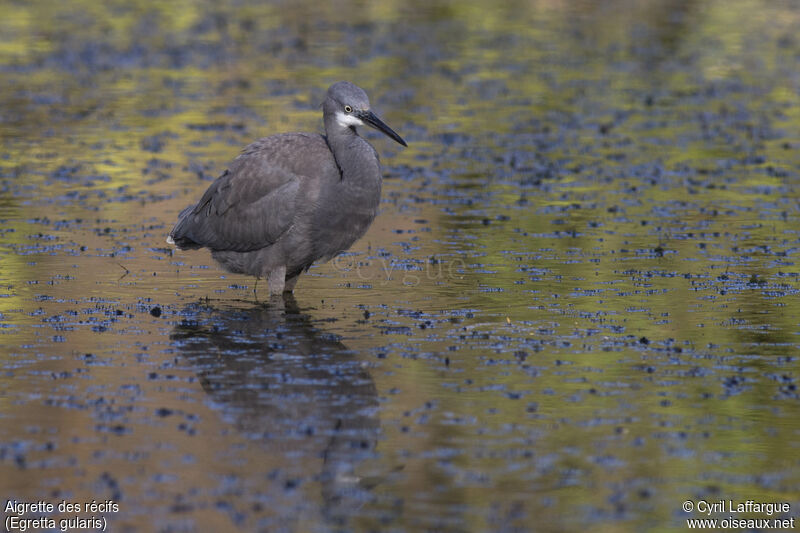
(349, 106)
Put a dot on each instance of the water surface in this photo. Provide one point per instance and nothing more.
(578, 306)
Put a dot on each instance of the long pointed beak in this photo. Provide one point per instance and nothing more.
(371, 119)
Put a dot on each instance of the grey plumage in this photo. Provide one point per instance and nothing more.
(290, 200)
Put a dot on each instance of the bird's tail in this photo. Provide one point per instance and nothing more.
(179, 234)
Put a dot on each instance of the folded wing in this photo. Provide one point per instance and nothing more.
(247, 208)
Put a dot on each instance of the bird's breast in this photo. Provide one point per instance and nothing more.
(343, 215)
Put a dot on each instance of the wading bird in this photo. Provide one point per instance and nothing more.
(292, 199)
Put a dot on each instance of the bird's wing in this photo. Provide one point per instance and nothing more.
(248, 207)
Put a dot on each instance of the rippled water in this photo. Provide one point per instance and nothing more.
(577, 309)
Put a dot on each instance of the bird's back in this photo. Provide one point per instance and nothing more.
(303, 154)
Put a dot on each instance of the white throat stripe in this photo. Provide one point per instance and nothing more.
(347, 120)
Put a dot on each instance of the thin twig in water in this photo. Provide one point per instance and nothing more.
(125, 269)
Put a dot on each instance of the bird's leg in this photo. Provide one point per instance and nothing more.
(276, 280)
(290, 283)
(255, 288)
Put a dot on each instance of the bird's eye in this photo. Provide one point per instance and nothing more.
(348, 109)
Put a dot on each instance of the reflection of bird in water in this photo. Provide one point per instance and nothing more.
(290, 200)
(296, 391)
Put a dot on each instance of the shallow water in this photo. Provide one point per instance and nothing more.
(578, 306)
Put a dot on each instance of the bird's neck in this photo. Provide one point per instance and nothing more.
(355, 157)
